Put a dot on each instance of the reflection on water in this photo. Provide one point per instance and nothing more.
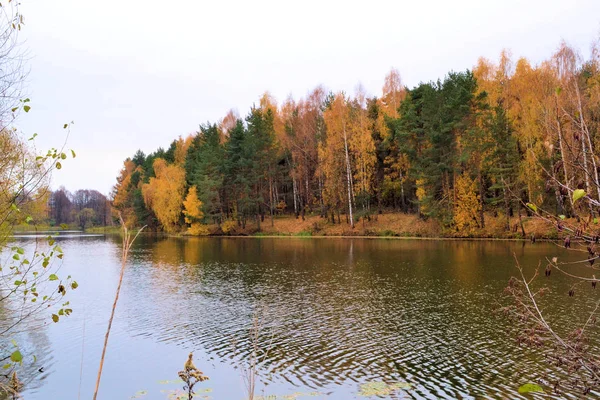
(338, 313)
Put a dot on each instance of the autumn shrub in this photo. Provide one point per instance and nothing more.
(229, 227)
(198, 229)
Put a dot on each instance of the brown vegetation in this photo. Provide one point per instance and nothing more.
(384, 225)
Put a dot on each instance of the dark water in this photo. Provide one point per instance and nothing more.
(336, 314)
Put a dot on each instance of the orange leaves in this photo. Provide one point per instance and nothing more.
(332, 150)
(192, 207)
(164, 194)
(362, 147)
(467, 205)
(181, 149)
(122, 190)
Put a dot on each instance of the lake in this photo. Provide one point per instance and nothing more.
(337, 317)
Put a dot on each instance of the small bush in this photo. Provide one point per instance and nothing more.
(229, 227)
(198, 229)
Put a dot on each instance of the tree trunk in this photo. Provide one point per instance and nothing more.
(521, 221)
(559, 201)
(348, 178)
(481, 198)
(402, 196)
(506, 206)
(562, 150)
(272, 197)
(295, 191)
(586, 133)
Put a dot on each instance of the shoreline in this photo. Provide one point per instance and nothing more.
(387, 226)
(432, 238)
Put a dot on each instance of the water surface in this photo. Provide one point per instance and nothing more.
(335, 314)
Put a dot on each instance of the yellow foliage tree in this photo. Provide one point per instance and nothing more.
(421, 194)
(181, 149)
(393, 93)
(192, 207)
(192, 210)
(164, 194)
(467, 204)
(362, 146)
(334, 155)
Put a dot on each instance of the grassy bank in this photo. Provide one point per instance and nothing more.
(384, 225)
(104, 229)
(49, 228)
(41, 228)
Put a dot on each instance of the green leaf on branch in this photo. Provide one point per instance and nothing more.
(533, 207)
(562, 217)
(26, 108)
(73, 154)
(53, 277)
(16, 356)
(578, 194)
(58, 165)
(74, 285)
(54, 317)
(531, 388)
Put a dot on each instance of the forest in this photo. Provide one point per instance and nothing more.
(479, 145)
(83, 208)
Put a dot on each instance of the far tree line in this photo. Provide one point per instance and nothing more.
(82, 208)
(477, 144)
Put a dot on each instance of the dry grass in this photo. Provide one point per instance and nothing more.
(389, 224)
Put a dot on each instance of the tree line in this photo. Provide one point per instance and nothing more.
(84, 208)
(476, 144)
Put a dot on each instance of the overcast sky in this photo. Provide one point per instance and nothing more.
(136, 74)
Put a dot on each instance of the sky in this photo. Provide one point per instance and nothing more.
(136, 74)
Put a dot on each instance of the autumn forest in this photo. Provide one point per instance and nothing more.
(472, 148)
